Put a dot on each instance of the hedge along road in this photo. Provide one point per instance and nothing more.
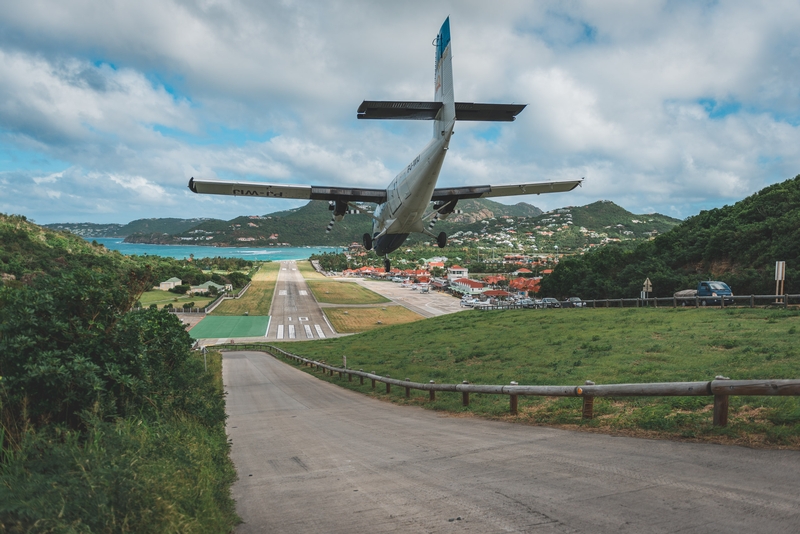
(312, 457)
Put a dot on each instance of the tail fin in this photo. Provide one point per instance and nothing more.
(443, 89)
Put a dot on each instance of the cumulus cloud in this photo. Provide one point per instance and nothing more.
(666, 106)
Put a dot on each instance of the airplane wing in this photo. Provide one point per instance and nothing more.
(465, 111)
(309, 192)
(485, 191)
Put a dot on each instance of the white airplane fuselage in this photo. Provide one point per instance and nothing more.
(408, 196)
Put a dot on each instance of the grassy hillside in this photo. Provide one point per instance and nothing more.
(738, 244)
(608, 346)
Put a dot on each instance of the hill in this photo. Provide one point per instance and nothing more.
(305, 226)
(147, 226)
(738, 244)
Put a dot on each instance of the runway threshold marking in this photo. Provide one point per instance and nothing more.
(320, 333)
(291, 332)
(307, 328)
(280, 331)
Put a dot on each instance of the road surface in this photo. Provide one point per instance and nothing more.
(313, 457)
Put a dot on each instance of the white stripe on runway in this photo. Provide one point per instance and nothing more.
(280, 331)
(303, 293)
(320, 333)
(282, 293)
(291, 331)
(309, 335)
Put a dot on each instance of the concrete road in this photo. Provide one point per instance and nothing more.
(295, 314)
(313, 457)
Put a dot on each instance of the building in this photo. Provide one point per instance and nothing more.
(202, 289)
(169, 284)
(455, 272)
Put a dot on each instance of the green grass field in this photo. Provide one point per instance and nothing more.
(350, 320)
(257, 299)
(335, 292)
(308, 271)
(608, 346)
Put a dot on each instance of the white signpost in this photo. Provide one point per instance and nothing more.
(780, 277)
(647, 288)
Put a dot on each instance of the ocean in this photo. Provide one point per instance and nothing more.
(183, 251)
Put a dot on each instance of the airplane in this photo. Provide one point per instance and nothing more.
(411, 202)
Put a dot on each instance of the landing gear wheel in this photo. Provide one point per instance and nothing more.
(441, 240)
(367, 239)
(387, 265)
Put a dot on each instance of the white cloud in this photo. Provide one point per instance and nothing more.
(135, 98)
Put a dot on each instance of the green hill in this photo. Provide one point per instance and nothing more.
(145, 226)
(738, 244)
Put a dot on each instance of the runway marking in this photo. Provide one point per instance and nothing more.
(309, 335)
(280, 331)
(289, 319)
(282, 293)
(303, 293)
(291, 332)
(320, 333)
(302, 319)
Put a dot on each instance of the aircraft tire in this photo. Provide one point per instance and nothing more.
(387, 265)
(441, 240)
(367, 239)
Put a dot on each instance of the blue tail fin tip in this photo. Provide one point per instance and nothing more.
(443, 40)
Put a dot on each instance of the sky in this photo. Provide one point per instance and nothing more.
(107, 108)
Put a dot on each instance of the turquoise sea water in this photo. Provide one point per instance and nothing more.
(183, 251)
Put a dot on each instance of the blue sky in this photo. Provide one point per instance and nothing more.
(108, 108)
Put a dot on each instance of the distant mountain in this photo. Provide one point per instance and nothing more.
(145, 226)
(306, 226)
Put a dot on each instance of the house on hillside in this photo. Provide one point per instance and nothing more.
(169, 284)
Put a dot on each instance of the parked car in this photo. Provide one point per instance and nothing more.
(549, 302)
(708, 292)
(526, 303)
(573, 302)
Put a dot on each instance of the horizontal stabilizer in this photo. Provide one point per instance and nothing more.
(465, 111)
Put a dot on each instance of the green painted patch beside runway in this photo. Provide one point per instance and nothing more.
(230, 326)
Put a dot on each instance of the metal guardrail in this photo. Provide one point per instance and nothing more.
(740, 301)
(720, 387)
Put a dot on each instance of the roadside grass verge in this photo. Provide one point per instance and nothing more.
(258, 298)
(160, 298)
(336, 292)
(170, 473)
(609, 346)
(351, 320)
(308, 271)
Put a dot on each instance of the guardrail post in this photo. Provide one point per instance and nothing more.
(513, 401)
(752, 301)
(465, 395)
(349, 377)
(721, 406)
(361, 378)
(786, 301)
(373, 381)
(432, 392)
(388, 386)
(408, 389)
(587, 411)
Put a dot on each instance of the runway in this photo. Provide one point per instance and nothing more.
(295, 314)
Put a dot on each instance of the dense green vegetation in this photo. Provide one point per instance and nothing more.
(168, 225)
(608, 346)
(738, 244)
(108, 419)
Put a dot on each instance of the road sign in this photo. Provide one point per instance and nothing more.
(648, 286)
(780, 270)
